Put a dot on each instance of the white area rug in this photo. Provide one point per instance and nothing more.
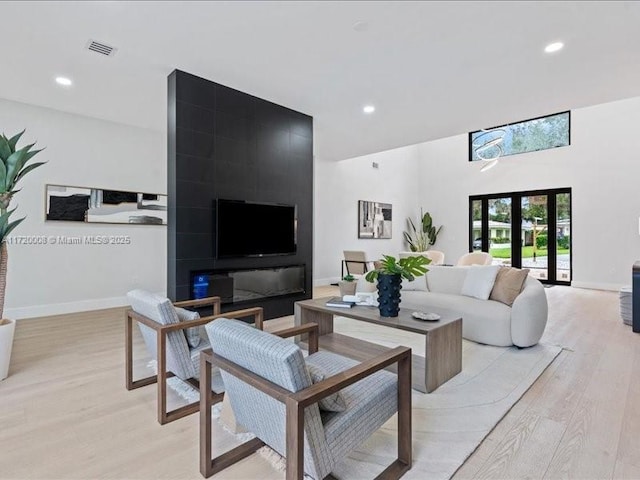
(450, 423)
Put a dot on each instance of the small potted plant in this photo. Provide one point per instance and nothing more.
(389, 274)
(348, 285)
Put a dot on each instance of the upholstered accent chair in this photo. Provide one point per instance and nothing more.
(356, 263)
(268, 383)
(172, 337)
(475, 258)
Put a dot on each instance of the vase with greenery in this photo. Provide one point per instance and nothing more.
(422, 237)
(14, 165)
(347, 285)
(389, 275)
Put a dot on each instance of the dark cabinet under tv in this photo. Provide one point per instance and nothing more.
(273, 288)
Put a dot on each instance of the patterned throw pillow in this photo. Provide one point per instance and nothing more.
(192, 333)
(332, 403)
(508, 285)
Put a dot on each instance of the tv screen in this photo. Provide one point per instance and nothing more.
(252, 229)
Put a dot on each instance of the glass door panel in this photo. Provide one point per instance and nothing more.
(563, 237)
(500, 230)
(476, 225)
(534, 235)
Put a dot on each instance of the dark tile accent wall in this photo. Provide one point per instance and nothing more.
(223, 143)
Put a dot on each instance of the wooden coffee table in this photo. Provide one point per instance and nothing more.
(443, 339)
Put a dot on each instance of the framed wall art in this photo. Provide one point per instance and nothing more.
(374, 219)
(97, 205)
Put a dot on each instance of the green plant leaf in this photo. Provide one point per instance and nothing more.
(13, 141)
(3, 177)
(12, 166)
(26, 170)
(4, 232)
(5, 149)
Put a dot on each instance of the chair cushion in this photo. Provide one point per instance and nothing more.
(192, 334)
(332, 403)
(370, 403)
(479, 281)
(508, 284)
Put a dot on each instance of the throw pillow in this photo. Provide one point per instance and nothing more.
(417, 285)
(508, 285)
(332, 403)
(479, 281)
(192, 333)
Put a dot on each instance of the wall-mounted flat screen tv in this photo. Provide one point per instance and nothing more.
(253, 229)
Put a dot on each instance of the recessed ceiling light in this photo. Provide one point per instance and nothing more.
(369, 109)
(64, 81)
(554, 47)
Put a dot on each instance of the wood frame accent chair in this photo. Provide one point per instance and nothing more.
(163, 325)
(262, 369)
(356, 263)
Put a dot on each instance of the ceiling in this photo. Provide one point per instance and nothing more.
(432, 69)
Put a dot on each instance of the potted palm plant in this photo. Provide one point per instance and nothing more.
(389, 274)
(13, 167)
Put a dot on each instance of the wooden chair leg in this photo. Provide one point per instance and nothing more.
(130, 383)
(160, 378)
(402, 464)
(210, 466)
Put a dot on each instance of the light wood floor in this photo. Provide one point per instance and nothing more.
(65, 414)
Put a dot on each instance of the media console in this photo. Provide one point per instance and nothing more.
(239, 287)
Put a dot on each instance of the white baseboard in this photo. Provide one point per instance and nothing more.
(599, 286)
(21, 313)
(320, 282)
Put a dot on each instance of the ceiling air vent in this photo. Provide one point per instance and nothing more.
(101, 48)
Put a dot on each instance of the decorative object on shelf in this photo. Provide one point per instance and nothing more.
(374, 219)
(427, 317)
(389, 275)
(13, 167)
(96, 205)
(420, 239)
(347, 285)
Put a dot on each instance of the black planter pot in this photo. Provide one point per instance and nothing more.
(389, 295)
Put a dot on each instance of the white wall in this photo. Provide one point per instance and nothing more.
(339, 186)
(602, 166)
(81, 151)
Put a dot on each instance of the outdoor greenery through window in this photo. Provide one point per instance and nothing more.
(528, 136)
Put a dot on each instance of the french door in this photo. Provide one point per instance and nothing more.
(529, 229)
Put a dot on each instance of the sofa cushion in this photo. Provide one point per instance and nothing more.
(483, 321)
(418, 284)
(446, 279)
(479, 281)
(508, 285)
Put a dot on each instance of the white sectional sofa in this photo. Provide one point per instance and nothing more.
(483, 321)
